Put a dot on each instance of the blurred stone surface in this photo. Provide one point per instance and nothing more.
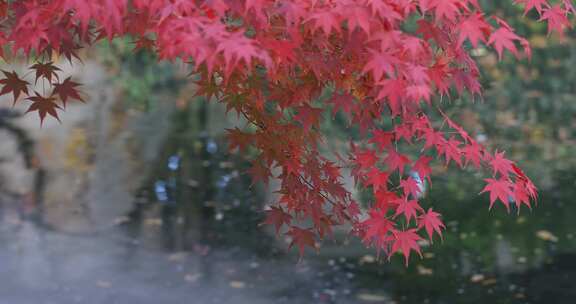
(92, 160)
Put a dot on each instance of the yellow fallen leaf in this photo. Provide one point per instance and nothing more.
(546, 236)
(477, 278)
(237, 284)
(369, 297)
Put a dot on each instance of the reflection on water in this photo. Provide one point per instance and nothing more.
(192, 236)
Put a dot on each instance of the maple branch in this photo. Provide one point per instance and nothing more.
(299, 175)
(313, 188)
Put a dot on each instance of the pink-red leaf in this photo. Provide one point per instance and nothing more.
(431, 222)
(406, 241)
(499, 189)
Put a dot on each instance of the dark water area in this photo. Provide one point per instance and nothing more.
(193, 235)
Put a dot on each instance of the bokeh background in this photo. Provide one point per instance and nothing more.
(134, 198)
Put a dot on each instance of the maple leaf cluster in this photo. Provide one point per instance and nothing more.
(43, 104)
(270, 61)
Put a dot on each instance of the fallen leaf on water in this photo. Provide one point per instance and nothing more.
(121, 220)
(546, 236)
(192, 277)
(237, 284)
(424, 271)
(178, 256)
(369, 297)
(519, 296)
(522, 260)
(153, 222)
(367, 259)
(477, 278)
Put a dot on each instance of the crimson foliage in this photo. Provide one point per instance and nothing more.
(270, 60)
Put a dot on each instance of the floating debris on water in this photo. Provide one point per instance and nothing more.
(237, 284)
(369, 297)
(546, 236)
(476, 278)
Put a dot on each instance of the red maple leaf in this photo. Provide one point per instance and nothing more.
(378, 225)
(539, 5)
(3, 8)
(259, 172)
(407, 207)
(410, 187)
(395, 160)
(283, 49)
(67, 89)
(277, 217)
(46, 70)
(353, 209)
(569, 6)
(238, 139)
(69, 49)
(382, 139)
(327, 21)
(404, 131)
(446, 9)
(380, 63)
(500, 164)
(522, 179)
(3, 41)
(238, 48)
(467, 81)
(385, 200)
(440, 74)
(521, 195)
(13, 83)
(43, 105)
(377, 179)
(357, 16)
(556, 19)
(499, 189)
(431, 223)
(301, 238)
(342, 102)
(422, 167)
(385, 10)
(433, 138)
(308, 116)
(504, 39)
(406, 241)
(394, 90)
(451, 151)
(474, 28)
(473, 153)
(366, 158)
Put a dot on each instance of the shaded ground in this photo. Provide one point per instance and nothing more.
(40, 267)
